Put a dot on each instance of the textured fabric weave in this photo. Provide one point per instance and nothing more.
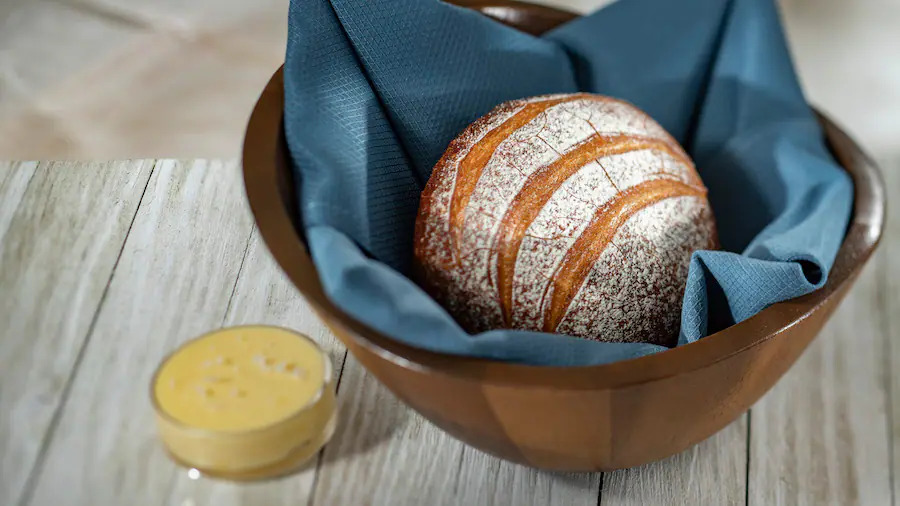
(376, 90)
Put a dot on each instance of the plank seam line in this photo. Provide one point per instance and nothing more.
(747, 460)
(16, 166)
(321, 455)
(600, 490)
(47, 440)
(459, 466)
(884, 310)
(237, 276)
(31, 178)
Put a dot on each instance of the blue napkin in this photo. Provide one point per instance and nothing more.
(375, 91)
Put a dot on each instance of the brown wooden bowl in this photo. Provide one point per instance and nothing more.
(569, 418)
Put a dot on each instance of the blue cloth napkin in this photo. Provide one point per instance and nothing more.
(375, 91)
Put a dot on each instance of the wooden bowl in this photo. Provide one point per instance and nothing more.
(569, 418)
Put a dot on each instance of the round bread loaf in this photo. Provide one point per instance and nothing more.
(574, 214)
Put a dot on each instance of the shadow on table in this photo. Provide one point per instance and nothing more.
(366, 420)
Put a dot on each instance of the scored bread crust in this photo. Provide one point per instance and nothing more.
(574, 214)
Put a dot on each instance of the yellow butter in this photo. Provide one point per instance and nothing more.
(245, 400)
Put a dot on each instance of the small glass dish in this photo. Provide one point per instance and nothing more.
(276, 447)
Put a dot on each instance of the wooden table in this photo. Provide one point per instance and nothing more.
(105, 267)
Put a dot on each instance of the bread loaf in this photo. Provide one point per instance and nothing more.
(574, 214)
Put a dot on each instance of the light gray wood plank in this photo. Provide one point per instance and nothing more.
(819, 437)
(484, 479)
(56, 257)
(382, 452)
(14, 178)
(890, 309)
(713, 472)
(173, 282)
(264, 295)
(385, 454)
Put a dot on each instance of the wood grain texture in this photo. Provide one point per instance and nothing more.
(14, 179)
(712, 473)
(819, 437)
(174, 279)
(484, 479)
(60, 246)
(386, 454)
(263, 295)
(890, 309)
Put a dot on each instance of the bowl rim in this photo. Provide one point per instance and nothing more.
(265, 151)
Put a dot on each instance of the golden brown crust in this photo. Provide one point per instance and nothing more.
(586, 250)
(479, 155)
(538, 189)
(441, 171)
(455, 235)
